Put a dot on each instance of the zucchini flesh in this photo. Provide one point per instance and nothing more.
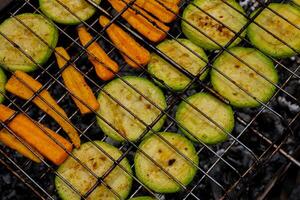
(198, 125)
(297, 2)
(212, 28)
(142, 198)
(3, 81)
(58, 13)
(12, 58)
(243, 76)
(175, 164)
(171, 76)
(99, 163)
(121, 119)
(279, 27)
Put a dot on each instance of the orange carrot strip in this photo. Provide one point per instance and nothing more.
(96, 52)
(13, 143)
(125, 43)
(26, 128)
(158, 10)
(76, 83)
(142, 21)
(170, 1)
(24, 86)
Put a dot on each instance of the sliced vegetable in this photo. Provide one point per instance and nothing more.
(133, 53)
(245, 77)
(198, 125)
(11, 58)
(13, 143)
(27, 129)
(158, 10)
(3, 80)
(297, 2)
(287, 32)
(142, 21)
(142, 198)
(119, 118)
(92, 157)
(183, 56)
(167, 158)
(25, 87)
(68, 11)
(75, 82)
(105, 67)
(203, 29)
(170, 1)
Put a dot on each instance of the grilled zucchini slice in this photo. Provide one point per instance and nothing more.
(279, 27)
(142, 198)
(3, 80)
(171, 76)
(81, 179)
(203, 23)
(243, 76)
(72, 13)
(121, 119)
(198, 125)
(297, 2)
(11, 58)
(164, 155)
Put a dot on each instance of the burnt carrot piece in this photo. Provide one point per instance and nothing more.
(142, 21)
(13, 143)
(134, 54)
(158, 10)
(24, 86)
(76, 84)
(27, 129)
(105, 67)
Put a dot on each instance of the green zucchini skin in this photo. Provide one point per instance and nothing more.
(99, 163)
(120, 118)
(245, 77)
(58, 13)
(172, 77)
(13, 59)
(152, 176)
(215, 30)
(3, 81)
(142, 198)
(198, 125)
(279, 27)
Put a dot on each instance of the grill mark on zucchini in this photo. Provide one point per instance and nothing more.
(210, 26)
(244, 77)
(120, 118)
(99, 163)
(201, 127)
(167, 158)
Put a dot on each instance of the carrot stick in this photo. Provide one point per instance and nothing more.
(13, 143)
(158, 10)
(142, 21)
(132, 51)
(24, 86)
(76, 83)
(26, 128)
(96, 52)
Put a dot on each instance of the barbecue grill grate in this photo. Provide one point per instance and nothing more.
(259, 134)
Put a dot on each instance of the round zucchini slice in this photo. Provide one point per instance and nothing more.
(203, 23)
(248, 79)
(171, 76)
(142, 198)
(11, 58)
(123, 121)
(198, 125)
(3, 80)
(81, 179)
(279, 27)
(164, 155)
(67, 14)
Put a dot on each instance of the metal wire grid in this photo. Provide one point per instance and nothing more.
(173, 98)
